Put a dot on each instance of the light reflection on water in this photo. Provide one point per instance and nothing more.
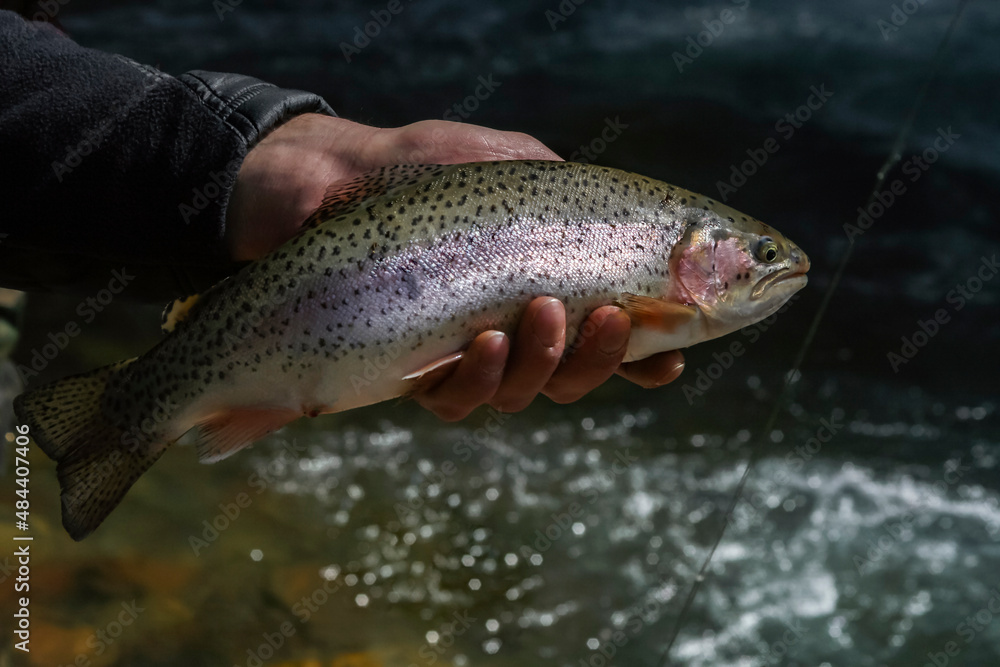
(554, 536)
(585, 531)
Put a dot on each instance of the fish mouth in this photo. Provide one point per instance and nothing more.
(797, 280)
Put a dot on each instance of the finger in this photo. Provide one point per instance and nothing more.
(654, 371)
(446, 142)
(473, 382)
(537, 349)
(602, 343)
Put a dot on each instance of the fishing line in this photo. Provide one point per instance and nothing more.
(793, 375)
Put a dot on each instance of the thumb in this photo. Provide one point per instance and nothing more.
(446, 142)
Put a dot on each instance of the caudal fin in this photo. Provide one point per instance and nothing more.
(96, 462)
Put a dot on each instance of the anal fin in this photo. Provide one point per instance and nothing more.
(227, 432)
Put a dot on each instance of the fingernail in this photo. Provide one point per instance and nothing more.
(672, 374)
(548, 336)
(494, 362)
(612, 337)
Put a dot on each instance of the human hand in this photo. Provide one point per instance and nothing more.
(285, 177)
(508, 377)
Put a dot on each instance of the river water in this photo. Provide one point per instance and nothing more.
(569, 535)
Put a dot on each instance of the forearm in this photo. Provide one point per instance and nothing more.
(105, 164)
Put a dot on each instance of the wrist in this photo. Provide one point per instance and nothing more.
(281, 181)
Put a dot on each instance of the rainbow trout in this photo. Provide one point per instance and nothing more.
(392, 277)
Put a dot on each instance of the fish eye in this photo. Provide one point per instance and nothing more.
(767, 250)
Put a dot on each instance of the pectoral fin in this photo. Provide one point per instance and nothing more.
(650, 313)
(452, 358)
(419, 379)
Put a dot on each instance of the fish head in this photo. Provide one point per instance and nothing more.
(736, 269)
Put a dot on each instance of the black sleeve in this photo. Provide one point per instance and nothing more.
(109, 165)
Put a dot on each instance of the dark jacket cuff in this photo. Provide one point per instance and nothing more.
(250, 106)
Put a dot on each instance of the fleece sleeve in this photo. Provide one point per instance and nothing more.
(110, 166)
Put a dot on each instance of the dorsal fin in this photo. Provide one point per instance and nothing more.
(177, 311)
(344, 197)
